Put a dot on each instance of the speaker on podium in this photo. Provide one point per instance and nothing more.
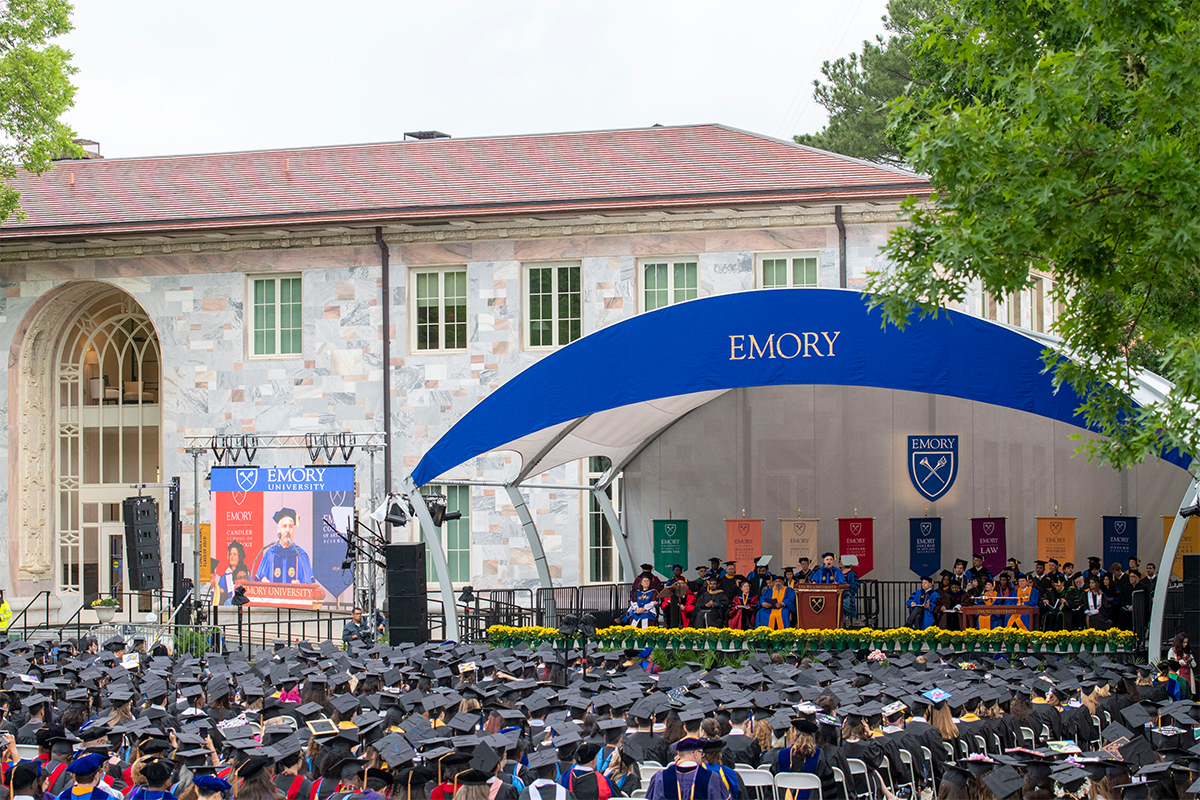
(143, 552)
(407, 610)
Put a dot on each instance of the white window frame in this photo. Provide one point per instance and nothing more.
(415, 274)
(444, 533)
(760, 276)
(594, 516)
(249, 309)
(671, 288)
(556, 319)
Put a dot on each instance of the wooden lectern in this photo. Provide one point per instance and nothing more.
(819, 605)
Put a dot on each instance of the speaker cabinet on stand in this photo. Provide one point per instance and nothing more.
(407, 597)
(143, 552)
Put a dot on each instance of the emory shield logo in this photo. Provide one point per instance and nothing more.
(816, 603)
(932, 464)
(246, 478)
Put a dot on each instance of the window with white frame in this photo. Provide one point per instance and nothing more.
(456, 534)
(276, 321)
(603, 561)
(440, 310)
(554, 303)
(783, 270)
(666, 281)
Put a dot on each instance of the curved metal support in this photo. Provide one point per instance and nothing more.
(620, 539)
(531, 533)
(1159, 603)
(438, 553)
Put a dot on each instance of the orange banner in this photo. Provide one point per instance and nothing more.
(1190, 543)
(743, 543)
(205, 553)
(1055, 539)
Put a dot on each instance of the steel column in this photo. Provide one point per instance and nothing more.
(531, 533)
(618, 530)
(1159, 603)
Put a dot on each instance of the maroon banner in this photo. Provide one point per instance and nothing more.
(988, 539)
(856, 537)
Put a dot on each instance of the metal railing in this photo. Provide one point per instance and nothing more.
(23, 614)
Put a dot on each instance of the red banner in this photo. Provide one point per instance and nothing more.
(856, 537)
(743, 543)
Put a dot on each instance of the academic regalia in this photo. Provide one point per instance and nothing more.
(692, 783)
(586, 784)
(740, 748)
(742, 612)
(728, 778)
(816, 764)
(985, 621)
(656, 585)
(1024, 597)
(280, 564)
(775, 608)
(294, 787)
(715, 617)
(827, 575)
(643, 610)
(920, 598)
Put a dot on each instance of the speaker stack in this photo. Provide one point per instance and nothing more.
(1191, 595)
(407, 609)
(143, 552)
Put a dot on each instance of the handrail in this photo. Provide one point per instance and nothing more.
(23, 613)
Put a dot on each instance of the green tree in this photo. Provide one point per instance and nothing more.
(35, 91)
(1064, 138)
(859, 88)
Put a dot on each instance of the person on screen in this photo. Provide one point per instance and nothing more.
(285, 561)
(224, 583)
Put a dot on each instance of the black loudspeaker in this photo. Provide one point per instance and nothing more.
(407, 609)
(143, 553)
(1191, 595)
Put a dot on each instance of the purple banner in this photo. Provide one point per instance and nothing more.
(987, 539)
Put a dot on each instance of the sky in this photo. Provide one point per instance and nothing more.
(160, 78)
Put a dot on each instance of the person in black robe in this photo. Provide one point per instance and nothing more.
(740, 747)
(712, 607)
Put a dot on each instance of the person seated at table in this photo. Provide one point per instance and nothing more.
(1025, 595)
(988, 598)
(775, 606)
(744, 608)
(712, 607)
(949, 618)
(674, 599)
(921, 605)
(828, 572)
(1054, 605)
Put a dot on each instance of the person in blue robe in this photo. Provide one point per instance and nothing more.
(828, 572)
(643, 609)
(285, 561)
(687, 778)
(86, 770)
(921, 605)
(776, 605)
(157, 772)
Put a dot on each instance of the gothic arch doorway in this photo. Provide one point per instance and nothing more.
(89, 386)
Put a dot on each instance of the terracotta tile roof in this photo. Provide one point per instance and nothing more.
(646, 168)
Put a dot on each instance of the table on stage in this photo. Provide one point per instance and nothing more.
(819, 605)
(999, 610)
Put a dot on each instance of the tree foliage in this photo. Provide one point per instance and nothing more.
(35, 91)
(1063, 137)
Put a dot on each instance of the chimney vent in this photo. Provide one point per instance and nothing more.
(410, 136)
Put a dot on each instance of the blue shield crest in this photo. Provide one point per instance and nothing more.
(932, 464)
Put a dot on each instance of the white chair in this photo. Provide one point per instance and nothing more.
(638, 794)
(1045, 733)
(906, 758)
(859, 767)
(997, 746)
(650, 762)
(28, 752)
(799, 781)
(927, 757)
(760, 780)
(740, 766)
(1027, 736)
(949, 748)
(980, 744)
(885, 772)
(647, 773)
(1096, 740)
(841, 778)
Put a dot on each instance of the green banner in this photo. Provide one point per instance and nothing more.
(670, 544)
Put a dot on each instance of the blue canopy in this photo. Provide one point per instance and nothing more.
(614, 390)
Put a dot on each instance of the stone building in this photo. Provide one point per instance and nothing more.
(148, 300)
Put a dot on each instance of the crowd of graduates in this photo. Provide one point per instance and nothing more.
(298, 721)
(718, 597)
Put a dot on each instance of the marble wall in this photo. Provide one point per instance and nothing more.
(210, 386)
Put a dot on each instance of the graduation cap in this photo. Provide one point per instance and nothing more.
(1003, 781)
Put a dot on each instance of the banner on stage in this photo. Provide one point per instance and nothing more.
(1056, 539)
(205, 552)
(799, 540)
(743, 543)
(988, 539)
(1120, 540)
(856, 537)
(269, 534)
(670, 545)
(925, 545)
(1190, 543)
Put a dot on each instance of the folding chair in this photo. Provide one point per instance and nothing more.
(28, 752)
(906, 758)
(638, 794)
(927, 757)
(1027, 735)
(859, 767)
(743, 766)
(841, 778)
(997, 746)
(1096, 726)
(885, 772)
(798, 781)
(949, 748)
(1045, 733)
(761, 781)
(980, 745)
(650, 762)
(648, 772)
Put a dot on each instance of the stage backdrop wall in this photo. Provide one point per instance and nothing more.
(835, 452)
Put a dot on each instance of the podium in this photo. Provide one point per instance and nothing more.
(819, 605)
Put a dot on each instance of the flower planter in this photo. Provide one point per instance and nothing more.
(105, 613)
